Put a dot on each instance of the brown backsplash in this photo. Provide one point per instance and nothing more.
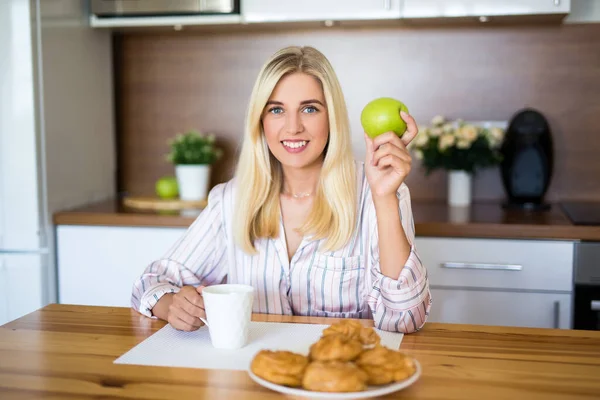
(168, 83)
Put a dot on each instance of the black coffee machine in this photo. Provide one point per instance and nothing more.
(527, 160)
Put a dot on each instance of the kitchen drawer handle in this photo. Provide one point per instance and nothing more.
(595, 305)
(387, 4)
(496, 267)
(25, 251)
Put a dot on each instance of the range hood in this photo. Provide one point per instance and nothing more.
(161, 8)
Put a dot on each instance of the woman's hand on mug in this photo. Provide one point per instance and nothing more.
(187, 308)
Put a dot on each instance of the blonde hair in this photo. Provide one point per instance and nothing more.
(259, 175)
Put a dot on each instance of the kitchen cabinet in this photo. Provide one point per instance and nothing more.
(535, 310)
(498, 263)
(479, 8)
(254, 11)
(97, 265)
(23, 282)
(499, 281)
(258, 12)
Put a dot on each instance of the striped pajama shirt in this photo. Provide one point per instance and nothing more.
(345, 283)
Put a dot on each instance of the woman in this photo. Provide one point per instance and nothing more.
(313, 231)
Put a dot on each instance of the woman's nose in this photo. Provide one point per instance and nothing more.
(293, 123)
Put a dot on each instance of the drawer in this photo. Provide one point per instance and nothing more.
(498, 263)
(534, 310)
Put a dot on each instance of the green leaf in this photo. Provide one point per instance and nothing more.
(193, 147)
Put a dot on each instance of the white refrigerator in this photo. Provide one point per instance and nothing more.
(56, 138)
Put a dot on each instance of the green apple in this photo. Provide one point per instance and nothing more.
(383, 115)
(166, 187)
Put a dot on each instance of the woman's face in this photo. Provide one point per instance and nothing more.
(296, 122)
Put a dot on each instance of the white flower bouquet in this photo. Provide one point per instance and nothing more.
(458, 145)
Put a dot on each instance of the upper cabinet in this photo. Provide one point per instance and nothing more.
(482, 8)
(256, 11)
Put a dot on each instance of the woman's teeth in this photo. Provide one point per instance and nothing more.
(294, 145)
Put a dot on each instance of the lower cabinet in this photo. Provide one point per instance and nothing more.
(526, 283)
(22, 285)
(536, 310)
(97, 265)
(473, 281)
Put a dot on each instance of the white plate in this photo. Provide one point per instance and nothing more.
(371, 391)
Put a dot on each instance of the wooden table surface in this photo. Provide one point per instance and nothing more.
(67, 352)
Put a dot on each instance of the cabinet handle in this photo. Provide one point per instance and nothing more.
(25, 251)
(556, 314)
(387, 4)
(497, 267)
(557, 3)
(595, 305)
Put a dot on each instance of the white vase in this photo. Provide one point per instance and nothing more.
(459, 188)
(193, 181)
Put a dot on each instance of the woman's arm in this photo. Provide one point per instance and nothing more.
(400, 298)
(197, 258)
(394, 248)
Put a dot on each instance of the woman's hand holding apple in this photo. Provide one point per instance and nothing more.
(388, 162)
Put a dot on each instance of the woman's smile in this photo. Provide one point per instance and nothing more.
(294, 146)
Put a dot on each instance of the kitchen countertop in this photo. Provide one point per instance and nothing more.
(65, 351)
(481, 220)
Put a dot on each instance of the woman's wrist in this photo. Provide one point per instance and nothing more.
(385, 202)
(161, 308)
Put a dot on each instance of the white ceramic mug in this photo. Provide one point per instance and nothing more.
(228, 311)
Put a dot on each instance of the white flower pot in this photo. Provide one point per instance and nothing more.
(459, 188)
(459, 214)
(193, 181)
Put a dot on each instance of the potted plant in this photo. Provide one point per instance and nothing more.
(193, 154)
(460, 148)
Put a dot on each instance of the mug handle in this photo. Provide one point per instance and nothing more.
(203, 319)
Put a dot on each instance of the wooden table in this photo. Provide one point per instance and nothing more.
(67, 352)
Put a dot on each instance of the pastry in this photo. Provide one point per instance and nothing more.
(334, 376)
(335, 348)
(368, 336)
(347, 358)
(280, 367)
(353, 329)
(384, 365)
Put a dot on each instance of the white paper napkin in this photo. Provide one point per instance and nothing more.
(172, 348)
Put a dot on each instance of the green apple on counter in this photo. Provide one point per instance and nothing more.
(167, 188)
(383, 115)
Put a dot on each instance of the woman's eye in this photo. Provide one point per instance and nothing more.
(310, 110)
(276, 110)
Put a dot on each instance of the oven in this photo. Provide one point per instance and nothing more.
(586, 299)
